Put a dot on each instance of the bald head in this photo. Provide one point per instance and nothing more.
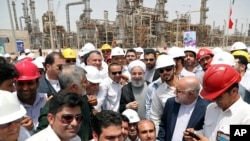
(187, 89)
(146, 130)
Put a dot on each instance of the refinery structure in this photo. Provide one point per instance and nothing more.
(135, 26)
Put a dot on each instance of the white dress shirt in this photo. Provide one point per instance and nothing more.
(109, 95)
(48, 134)
(159, 99)
(218, 120)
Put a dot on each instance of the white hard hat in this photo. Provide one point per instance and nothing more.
(142, 56)
(191, 49)
(38, 64)
(10, 107)
(238, 46)
(139, 49)
(31, 55)
(27, 50)
(87, 48)
(40, 59)
(223, 58)
(176, 52)
(7, 55)
(217, 50)
(164, 61)
(80, 53)
(50, 51)
(21, 57)
(132, 115)
(93, 74)
(117, 51)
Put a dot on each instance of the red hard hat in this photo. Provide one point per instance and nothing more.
(27, 70)
(203, 52)
(217, 79)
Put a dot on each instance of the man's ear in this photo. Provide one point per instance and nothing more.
(51, 118)
(73, 87)
(95, 136)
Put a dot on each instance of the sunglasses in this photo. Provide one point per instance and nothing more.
(161, 70)
(115, 73)
(60, 67)
(149, 60)
(8, 124)
(106, 51)
(70, 60)
(68, 118)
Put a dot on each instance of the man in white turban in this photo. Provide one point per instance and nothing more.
(133, 95)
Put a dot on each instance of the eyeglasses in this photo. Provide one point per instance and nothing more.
(68, 118)
(8, 124)
(149, 60)
(161, 70)
(70, 60)
(117, 72)
(59, 67)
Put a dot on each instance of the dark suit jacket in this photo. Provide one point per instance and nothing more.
(127, 96)
(45, 86)
(156, 75)
(170, 113)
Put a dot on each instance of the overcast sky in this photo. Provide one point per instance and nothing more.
(218, 11)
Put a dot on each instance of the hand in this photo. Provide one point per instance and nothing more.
(189, 138)
(92, 100)
(48, 99)
(132, 105)
(27, 123)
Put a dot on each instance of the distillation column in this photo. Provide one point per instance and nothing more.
(161, 22)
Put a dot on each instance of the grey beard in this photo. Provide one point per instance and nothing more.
(137, 83)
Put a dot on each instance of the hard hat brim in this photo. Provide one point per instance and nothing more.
(27, 77)
(13, 116)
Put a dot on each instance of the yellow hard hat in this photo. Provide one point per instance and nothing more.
(69, 53)
(106, 46)
(241, 53)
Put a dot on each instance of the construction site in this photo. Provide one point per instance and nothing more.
(135, 26)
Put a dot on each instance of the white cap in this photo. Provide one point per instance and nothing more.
(132, 115)
(223, 58)
(164, 61)
(87, 48)
(217, 50)
(176, 52)
(238, 46)
(117, 51)
(10, 107)
(27, 50)
(136, 63)
(191, 49)
(93, 74)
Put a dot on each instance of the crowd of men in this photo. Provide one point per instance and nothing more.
(124, 95)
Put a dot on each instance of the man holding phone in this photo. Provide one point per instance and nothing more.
(221, 85)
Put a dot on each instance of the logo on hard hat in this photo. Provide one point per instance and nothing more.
(202, 53)
(220, 59)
